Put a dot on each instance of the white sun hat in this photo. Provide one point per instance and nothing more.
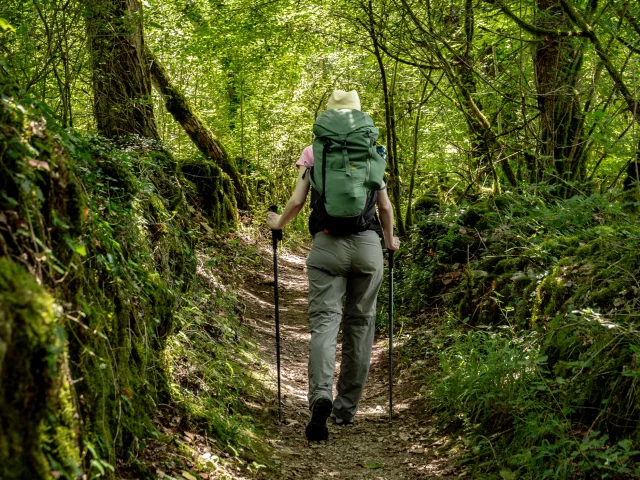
(342, 99)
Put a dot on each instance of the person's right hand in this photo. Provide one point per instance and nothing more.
(273, 221)
(392, 245)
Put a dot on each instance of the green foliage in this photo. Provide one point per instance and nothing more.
(538, 357)
(109, 229)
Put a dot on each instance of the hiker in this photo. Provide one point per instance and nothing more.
(346, 254)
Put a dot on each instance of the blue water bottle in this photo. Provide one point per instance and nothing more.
(382, 152)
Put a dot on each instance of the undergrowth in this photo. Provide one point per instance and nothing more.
(527, 319)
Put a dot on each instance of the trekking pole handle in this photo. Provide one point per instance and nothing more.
(275, 234)
(391, 252)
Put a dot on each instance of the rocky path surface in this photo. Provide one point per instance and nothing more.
(370, 449)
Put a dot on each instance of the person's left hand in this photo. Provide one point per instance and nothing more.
(273, 221)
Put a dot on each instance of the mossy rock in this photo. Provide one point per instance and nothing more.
(507, 265)
(551, 296)
(502, 202)
(521, 281)
(214, 192)
(604, 297)
(426, 204)
(455, 247)
(481, 216)
(119, 222)
(472, 216)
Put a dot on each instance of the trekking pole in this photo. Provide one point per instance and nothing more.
(275, 236)
(390, 337)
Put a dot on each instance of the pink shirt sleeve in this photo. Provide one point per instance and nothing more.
(306, 158)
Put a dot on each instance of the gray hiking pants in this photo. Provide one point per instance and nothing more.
(336, 266)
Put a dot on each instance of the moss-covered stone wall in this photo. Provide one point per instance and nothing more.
(96, 253)
(29, 366)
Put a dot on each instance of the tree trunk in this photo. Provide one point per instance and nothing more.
(633, 173)
(183, 113)
(556, 63)
(121, 80)
(414, 166)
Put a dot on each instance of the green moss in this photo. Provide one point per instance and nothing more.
(604, 297)
(502, 202)
(552, 247)
(213, 192)
(569, 290)
(63, 432)
(521, 282)
(29, 351)
(481, 215)
(571, 251)
(118, 230)
(426, 204)
(584, 251)
(507, 265)
(456, 247)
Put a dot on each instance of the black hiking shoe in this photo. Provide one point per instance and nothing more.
(342, 423)
(317, 427)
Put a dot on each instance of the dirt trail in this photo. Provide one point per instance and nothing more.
(370, 449)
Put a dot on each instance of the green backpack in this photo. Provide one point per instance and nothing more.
(347, 172)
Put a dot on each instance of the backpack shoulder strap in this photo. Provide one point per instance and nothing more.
(325, 150)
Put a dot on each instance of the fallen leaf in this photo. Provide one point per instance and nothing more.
(373, 465)
(188, 476)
